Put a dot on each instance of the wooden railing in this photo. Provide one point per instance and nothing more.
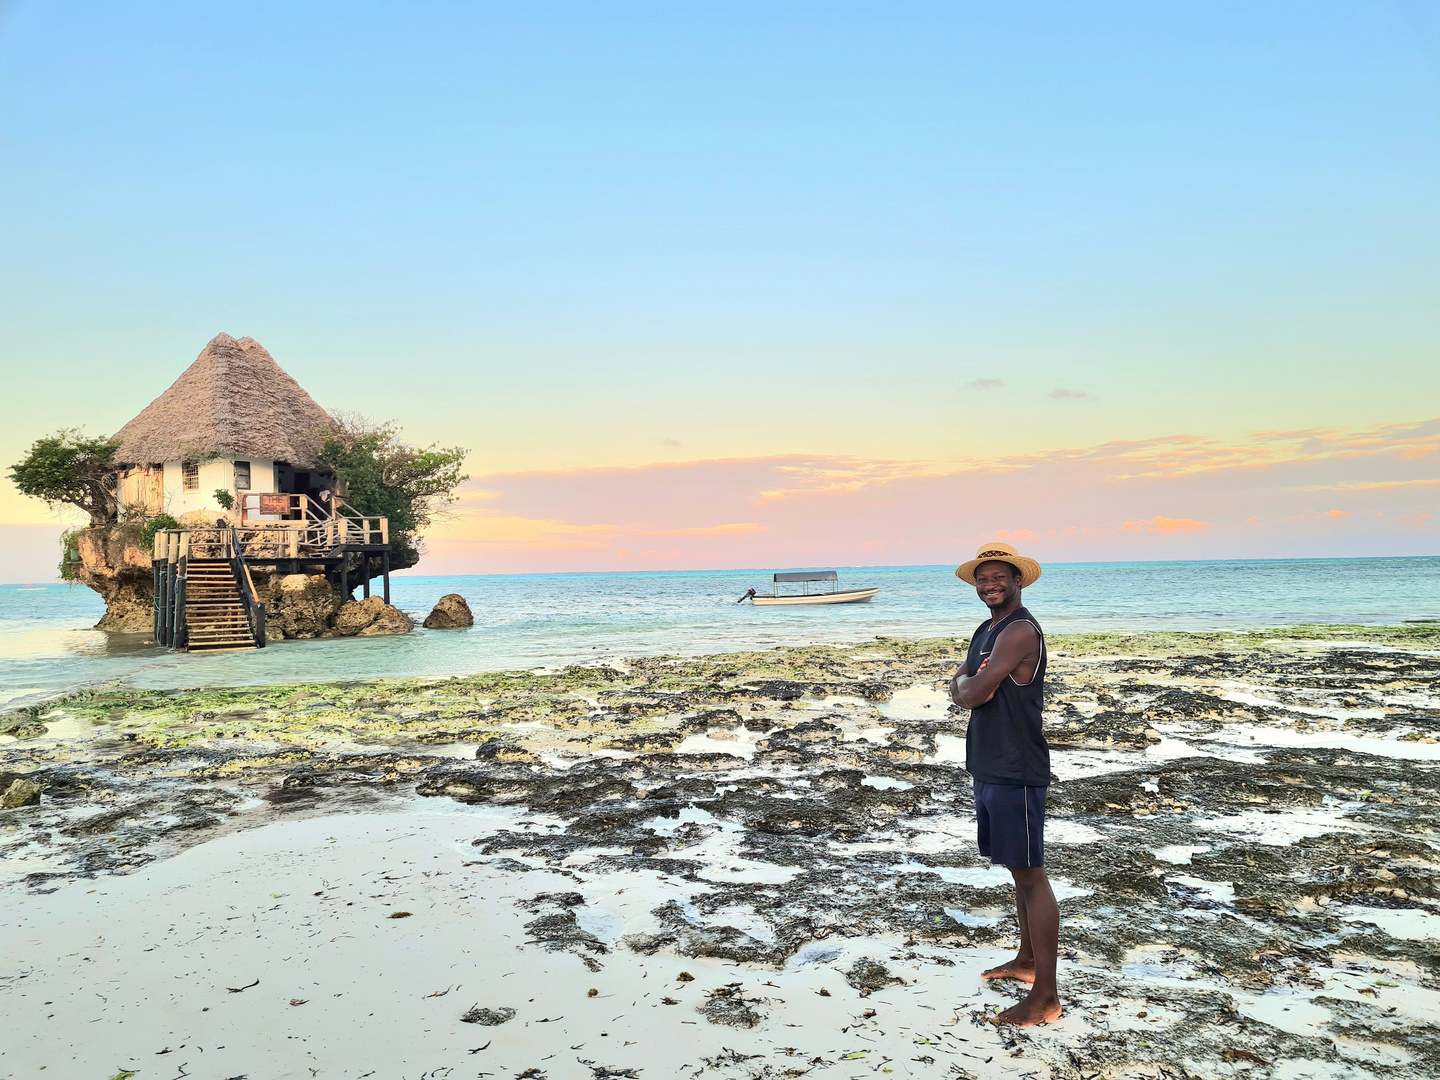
(275, 540)
(319, 524)
(245, 586)
(345, 528)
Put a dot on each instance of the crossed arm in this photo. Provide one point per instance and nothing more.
(1017, 649)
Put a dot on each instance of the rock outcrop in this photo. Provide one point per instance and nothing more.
(114, 564)
(390, 621)
(298, 606)
(20, 793)
(451, 613)
(371, 618)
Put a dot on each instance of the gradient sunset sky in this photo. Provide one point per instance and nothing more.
(761, 285)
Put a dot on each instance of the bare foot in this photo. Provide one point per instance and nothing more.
(1030, 1012)
(1021, 970)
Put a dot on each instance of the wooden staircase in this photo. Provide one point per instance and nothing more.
(214, 614)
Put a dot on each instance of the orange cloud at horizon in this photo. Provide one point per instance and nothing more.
(1178, 497)
(1165, 525)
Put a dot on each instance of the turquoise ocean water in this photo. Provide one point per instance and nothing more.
(534, 620)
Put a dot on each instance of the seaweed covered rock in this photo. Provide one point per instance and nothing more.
(371, 618)
(451, 612)
(1191, 882)
(729, 1006)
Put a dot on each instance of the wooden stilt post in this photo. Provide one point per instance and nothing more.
(182, 630)
(165, 587)
(365, 574)
(385, 563)
(157, 564)
(344, 579)
(180, 633)
(172, 554)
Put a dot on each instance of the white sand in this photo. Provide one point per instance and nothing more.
(157, 971)
(134, 972)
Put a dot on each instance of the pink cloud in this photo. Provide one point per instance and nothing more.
(1166, 525)
(738, 528)
(1250, 497)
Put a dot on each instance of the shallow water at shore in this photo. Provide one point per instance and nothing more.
(534, 620)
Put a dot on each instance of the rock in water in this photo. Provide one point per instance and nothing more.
(112, 562)
(390, 621)
(20, 793)
(299, 606)
(371, 618)
(451, 612)
(355, 616)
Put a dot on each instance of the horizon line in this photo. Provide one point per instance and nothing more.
(858, 566)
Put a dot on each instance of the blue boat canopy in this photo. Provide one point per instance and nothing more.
(809, 575)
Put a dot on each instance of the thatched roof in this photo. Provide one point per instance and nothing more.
(234, 400)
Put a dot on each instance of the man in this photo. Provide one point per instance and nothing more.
(1003, 684)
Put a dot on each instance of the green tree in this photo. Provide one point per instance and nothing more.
(71, 470)
(385, 476)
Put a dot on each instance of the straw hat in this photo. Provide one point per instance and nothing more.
(998, 552)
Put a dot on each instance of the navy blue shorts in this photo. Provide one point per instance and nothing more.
(1011, 824)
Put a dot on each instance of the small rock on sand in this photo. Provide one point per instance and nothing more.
(487, 1017)
(867, 976)
(729, 1006)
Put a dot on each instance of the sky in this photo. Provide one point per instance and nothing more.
(760, 285)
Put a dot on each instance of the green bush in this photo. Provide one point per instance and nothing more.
(159, 523)
(225, 499)
(69, 553)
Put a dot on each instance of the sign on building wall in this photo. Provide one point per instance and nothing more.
(278, 505)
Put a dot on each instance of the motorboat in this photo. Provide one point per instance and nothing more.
(812, 591)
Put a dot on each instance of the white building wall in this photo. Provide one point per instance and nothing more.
(215, 474)
(262, 482)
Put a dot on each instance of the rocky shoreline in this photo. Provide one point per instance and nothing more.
(115, 561)
(1245, 830)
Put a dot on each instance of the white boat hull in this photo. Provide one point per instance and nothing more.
(848, 596)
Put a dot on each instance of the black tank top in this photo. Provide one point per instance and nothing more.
(1005, 743)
